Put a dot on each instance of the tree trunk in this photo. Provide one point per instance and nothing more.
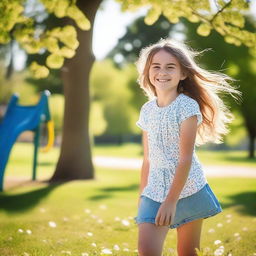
(251, 146)
(251, 129)
(75, 160)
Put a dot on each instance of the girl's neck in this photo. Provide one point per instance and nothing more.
(164, 99)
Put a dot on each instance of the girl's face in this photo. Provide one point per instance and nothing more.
(165, 71)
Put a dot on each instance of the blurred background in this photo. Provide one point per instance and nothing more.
(115, 95)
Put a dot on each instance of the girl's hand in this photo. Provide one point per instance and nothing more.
(165, 213)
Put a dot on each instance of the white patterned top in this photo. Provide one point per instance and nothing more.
(163, 126)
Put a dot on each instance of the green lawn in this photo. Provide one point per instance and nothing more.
(96, 214)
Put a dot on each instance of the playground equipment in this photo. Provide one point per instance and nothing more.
(18, 119)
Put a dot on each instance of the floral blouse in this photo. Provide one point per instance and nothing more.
(163, 126)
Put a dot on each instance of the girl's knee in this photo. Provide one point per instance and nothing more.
(146, 249)
(149, 247)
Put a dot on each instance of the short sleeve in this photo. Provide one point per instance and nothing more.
(189, 108)
(142, 122)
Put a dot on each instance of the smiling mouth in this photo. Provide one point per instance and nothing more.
(163, 80)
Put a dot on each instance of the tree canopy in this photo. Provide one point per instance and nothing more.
(18, 19)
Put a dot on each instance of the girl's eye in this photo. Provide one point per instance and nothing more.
(170, 67)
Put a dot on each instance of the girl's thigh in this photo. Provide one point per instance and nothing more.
(188, 237)
(151, 239)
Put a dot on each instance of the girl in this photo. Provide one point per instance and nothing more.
(183, 110)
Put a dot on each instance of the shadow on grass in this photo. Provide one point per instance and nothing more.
(246, 203)
(108, 192)
(24, 201)
(238, 159)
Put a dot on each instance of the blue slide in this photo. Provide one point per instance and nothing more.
(18, 119)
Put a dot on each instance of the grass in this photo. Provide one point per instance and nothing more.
(101, 212)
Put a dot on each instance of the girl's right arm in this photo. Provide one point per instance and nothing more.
(145, 164)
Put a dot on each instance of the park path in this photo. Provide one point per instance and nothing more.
(210, 170)
(134, 164)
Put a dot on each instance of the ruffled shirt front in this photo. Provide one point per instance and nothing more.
(163, 127)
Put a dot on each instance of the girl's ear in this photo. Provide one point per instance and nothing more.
(183, 75)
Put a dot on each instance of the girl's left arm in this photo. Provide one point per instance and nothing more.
(167, 209)
(187, 140)
(188, 131)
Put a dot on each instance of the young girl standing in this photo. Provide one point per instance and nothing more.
(183, 110)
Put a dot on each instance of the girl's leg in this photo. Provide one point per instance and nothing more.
(188, 238)
(151, 239)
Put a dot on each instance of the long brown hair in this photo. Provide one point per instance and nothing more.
(200, 84)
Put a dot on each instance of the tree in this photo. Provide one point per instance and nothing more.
(75, 157)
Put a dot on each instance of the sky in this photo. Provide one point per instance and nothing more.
(110, 24)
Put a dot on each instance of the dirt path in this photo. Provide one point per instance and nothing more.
(210, 170)
(134, 164)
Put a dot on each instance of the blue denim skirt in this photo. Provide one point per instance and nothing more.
(202, 204)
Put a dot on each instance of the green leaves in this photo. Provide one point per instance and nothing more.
(39, 71)
(204, 29)
(61, 43)
(152, 15)
(227, 19)
(55, 61)
(67, 8)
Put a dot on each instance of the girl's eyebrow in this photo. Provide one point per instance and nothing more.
(166, 64)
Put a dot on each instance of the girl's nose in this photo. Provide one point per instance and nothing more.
(162, 72)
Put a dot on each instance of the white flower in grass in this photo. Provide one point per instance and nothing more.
(217, 242)
(125, 222)
(126, 250)
(106, 251)
(116, 247)
(85, 254)
(66, 252)
(42, 210)
(219, 251)
(238, 238)
(100, 221)
(87, 210)
(20, 230)
(230, 254)
(26, 254)
(236, 234)
(52, 224)
(93, 216)
(44, 241)
(219, 225)
(103, 207)
(136, 250)
(89, 234)
(228, 215)
(94, 244)
(117, 219)
(211, 230)
(29, 232)
(65, 219)
(229, 220)
(10, 238)
(245, 229)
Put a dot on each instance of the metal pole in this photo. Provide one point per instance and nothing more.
(36, 144)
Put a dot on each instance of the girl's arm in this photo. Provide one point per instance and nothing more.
(145, 164)
(188, 131)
